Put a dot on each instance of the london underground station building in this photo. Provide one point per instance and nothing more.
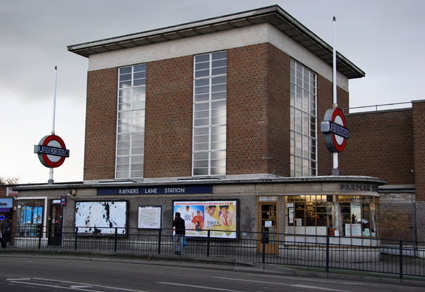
(220, 118)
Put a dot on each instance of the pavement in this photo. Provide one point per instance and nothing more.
(224, 264)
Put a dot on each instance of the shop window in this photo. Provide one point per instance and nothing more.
(30, 219)
(350, 216)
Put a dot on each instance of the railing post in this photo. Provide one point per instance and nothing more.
(40, 231)
(159, 240)
(76, 236)
(401, 259)
(116, 239)
(208, 243)
(327, 254)
(263, 241)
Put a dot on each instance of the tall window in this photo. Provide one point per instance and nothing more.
(303, 121)
(209, 114)
(131, 122)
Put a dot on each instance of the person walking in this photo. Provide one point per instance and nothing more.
(5, 230)
(180, 231)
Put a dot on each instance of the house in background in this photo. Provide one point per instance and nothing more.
(220, 116)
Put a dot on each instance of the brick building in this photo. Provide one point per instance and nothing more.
(388, 144)
(222, 115)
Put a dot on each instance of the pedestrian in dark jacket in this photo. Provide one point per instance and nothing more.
(179, 233)
(6, 228)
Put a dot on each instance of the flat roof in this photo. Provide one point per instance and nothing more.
(273, 15)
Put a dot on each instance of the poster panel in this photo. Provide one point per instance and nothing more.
(149, 217)
(101, 218)
(219, 217)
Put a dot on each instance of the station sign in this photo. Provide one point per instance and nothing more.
(335, 130)
(51, 151)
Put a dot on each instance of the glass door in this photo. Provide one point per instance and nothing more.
(268, 228)
(55, 225)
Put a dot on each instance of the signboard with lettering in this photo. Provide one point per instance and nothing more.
(155, 190)
(335, 130)
(51, 151)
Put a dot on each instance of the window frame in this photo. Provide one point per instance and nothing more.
(209, 128)
(131, 122)
(303, 121)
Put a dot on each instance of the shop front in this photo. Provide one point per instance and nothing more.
(274, 211)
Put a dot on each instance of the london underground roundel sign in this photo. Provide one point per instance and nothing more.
(335, 130)
(51, 151)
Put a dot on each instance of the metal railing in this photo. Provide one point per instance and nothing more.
(404, 258)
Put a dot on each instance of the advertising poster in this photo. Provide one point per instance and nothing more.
(101, 218)
(220, 217)
(149, 217)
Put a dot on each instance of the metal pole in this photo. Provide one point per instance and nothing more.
(116, 239)
(159, 240)
(208, 243)
(335, 100)
(54, 121)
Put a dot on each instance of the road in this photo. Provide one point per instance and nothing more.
(21, 273)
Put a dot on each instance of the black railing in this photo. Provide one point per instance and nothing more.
(362, 254)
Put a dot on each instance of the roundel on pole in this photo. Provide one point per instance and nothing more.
(51, 151)
(335, 130)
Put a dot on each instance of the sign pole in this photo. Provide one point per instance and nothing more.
(335, 170)
(50, 181)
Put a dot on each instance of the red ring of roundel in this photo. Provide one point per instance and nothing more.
(338, 112)
(46, 159)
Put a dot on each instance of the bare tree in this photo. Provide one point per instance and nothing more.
(8, 180)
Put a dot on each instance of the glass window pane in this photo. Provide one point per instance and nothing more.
(125, 70)
(219, 55)
(209, 110)
(303, 120)
(202, 58)
(131, 120)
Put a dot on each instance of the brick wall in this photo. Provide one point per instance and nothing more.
(168, 134)
(396, 216)
(246, 110)
(101, 118)
(278, 108)
(258, 116)
(419, 148)
(419, 162)
(380, 145)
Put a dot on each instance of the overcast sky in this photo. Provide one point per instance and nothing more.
(384, 38)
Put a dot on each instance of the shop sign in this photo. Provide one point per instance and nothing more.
(335, 130)
(51, 151)
(359, 188)
(155, 190)
(11, 193)
(6, 203)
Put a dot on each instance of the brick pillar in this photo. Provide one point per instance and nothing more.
(419, 165)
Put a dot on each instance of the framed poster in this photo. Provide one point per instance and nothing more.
(101, 218)
(218, 217)
(149, 217)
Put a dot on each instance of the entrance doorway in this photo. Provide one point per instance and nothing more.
(55, 224)
(268, 226)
